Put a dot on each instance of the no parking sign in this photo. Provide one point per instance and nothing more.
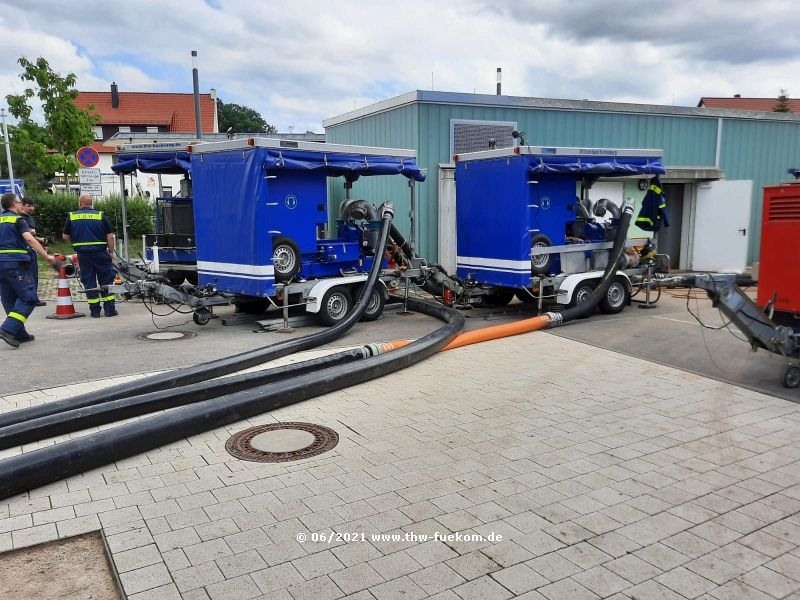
(87, 157)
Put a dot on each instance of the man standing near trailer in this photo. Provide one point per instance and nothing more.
(28, 206)
(92, 237)
(17, 290)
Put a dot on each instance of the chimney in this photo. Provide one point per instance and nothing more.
(114, 95)
(737, 95)
(499, 80)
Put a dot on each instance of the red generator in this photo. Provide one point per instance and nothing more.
(779, 268)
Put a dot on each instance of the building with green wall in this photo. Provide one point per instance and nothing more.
(700, 145)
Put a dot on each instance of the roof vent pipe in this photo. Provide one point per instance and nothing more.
(499, 79)
(114, 95)
(737, 95)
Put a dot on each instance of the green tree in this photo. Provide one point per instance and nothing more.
(242, 119)
(782, 105)
(41, 150)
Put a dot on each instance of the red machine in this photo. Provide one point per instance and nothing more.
(779, 269)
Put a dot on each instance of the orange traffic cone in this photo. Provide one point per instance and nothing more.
(64, 307)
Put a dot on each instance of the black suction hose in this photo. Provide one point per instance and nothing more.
(587, 306)
(43, 466)
(124, 408)
(219, 367)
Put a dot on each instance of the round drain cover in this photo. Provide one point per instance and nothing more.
(281, 442)
(166, 336)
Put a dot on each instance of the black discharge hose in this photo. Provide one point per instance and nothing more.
(587, 306)
(124, 408)
(46, 465)
(221, 366)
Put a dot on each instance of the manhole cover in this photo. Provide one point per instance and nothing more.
(281, 442)
(166, 336)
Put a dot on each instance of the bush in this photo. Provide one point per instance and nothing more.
(52, 211)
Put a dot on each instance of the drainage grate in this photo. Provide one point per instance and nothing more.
(281, 442)
(166, 336)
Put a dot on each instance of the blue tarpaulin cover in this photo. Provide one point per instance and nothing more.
(176, 163)
(349, 166)
(597, 165)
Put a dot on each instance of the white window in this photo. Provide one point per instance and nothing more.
(98, 132)
(152, 129)
(124, 129)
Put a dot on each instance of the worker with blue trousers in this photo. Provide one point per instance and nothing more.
(17, 289)
(92, 237)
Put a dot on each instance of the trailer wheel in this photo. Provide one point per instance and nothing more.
(791, 377)
(336, 303)
(581, 293)
(376, 302)
(540, 263)
(501, 297)
(201, 317)
(285, 258)
(616, 298)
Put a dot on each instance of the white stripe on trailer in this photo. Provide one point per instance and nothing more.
(477, 261)
(203, 265)
(237, 275)
(494, 269)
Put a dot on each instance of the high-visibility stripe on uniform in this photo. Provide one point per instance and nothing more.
(93, 300)
(17, 316)
(86, 216)
(644, 220)
(655, 188)
(76, 244)
(110, 298)
(9, 219)
(13, 251)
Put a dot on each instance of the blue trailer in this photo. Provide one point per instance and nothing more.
(253, 223)
(525, 224)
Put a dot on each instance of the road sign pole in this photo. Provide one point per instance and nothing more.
(8, 149)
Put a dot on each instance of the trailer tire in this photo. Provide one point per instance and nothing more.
(201, 316)
(791, 377)
(581, 292)
(501, 297)
(285, 258)
(336, 303)
(376, 302)
(540, 263)
(617, 297)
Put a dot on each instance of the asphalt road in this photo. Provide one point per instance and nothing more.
(85, 349)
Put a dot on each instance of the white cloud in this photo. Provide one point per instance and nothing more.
(300, 61)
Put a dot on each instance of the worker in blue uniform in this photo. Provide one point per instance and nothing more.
(28, 208)
(17, 289)
(92, 237)
(653, 213)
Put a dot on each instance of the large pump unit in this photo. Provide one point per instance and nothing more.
(251, 224)
(525, 223)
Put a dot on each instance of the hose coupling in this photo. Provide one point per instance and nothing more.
(387, 210)
(555, 318)
(627, 206)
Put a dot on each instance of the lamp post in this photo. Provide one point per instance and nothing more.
(196, 82)
(8, 149)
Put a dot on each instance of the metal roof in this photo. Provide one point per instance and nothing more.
(486, 100)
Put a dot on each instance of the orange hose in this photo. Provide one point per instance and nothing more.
(483, 335)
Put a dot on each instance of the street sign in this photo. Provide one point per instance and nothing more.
(87, 156)
(90, 182)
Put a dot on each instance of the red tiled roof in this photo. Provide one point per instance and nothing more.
(151, 108)
(765, 104)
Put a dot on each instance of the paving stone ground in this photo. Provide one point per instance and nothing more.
(605, 475)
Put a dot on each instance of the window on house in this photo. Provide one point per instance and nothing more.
(98, 132)
(124, 129)
(152, 129)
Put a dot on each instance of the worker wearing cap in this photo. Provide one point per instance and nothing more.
(92, 237)
(28, 206)
(17, 289)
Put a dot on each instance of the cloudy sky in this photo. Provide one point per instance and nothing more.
(300, 61)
